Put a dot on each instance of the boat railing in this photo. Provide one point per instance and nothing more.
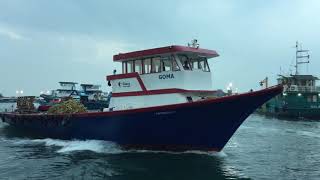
(295, 88)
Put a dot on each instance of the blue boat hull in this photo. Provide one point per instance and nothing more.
(205, 125)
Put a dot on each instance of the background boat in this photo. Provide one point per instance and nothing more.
(301, 95)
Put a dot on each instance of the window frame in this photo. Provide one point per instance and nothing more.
(132, 66)
(124, 67)
(168, 58)
(174, 65)
(182, 63)
(144, 68)
(152, 61)
(175, 61)
(141, 60)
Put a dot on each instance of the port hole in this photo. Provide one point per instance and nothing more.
(189, 98)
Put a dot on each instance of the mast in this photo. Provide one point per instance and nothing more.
(300, 56)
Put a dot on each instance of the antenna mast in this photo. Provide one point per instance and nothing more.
(300, 56)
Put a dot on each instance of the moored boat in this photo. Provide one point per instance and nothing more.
(301, 95)
(89, 95)
(163, 100)
(93, 98)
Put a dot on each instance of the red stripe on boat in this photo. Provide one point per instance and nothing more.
(160, 91)
(143, 87)
(122, 76)
(275, 89)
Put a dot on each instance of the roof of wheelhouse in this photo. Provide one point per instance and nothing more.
(165, 50)
(305, 77)
(68, 83)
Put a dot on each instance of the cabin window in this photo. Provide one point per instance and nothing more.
(124, 64)
(166, 64)
(195, 64)
(200, 63)
(175, 66)
(138, 66)
(314, 98)
(130, 67)
(156, 65)
(203, 64)
(185, 62)
(147, 65)
(312, 83)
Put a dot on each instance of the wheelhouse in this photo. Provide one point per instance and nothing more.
(161, 76)
(172, 58)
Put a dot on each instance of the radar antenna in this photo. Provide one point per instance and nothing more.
(194, 43)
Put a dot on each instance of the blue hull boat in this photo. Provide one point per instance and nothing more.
(202, 125)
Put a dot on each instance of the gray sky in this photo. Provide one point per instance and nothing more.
(43, 42)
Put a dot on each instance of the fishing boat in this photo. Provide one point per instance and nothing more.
(89, 95)
(162, 100)
(301, 95)
(67, 89)
(93, 98)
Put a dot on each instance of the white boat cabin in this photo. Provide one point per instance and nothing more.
(66, 89)
(92, 91)
(161, 76)
(299, 83)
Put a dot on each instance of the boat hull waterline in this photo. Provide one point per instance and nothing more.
(203, 125)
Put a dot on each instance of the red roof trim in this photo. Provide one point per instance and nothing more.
(165, 50)
(122, 76)
(158, 91)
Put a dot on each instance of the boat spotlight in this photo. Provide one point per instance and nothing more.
(229, 87)
(284, 94)
(299, 94)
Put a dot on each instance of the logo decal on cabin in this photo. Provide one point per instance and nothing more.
(166, 76)
(123, 84)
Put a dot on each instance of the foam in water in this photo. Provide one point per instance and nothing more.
(307, 133)
(67, 146)
(98, 146)
(82, 145)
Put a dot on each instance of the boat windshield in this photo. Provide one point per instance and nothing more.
(150, 65)
(194, 63)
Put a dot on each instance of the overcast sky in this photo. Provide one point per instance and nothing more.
(43, 42)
